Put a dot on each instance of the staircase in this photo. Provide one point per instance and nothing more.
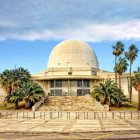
(68, 103)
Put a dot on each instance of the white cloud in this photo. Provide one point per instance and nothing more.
(87, 31)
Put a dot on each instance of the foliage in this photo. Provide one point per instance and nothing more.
(136, 84)
(33, 91)
(110, 93)
(131, 55)
(120, 68)
(30, 92)
(12, 79)
(136, 79)
(118, 49)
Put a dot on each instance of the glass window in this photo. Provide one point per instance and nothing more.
(58, 83)
(52, 93)
(86, 91)
(79, 83)
(79, 92)
(58, 92)
(86, 83)
(52, 83)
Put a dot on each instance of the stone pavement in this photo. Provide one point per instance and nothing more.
(63, 124)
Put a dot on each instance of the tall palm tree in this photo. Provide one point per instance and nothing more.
(131, 55)
(120, 68)
(118, 49)
(136, 85)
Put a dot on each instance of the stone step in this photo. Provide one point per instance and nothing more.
(68, 103)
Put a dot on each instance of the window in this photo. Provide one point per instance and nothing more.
(79, 83)
(69, 73)
(86, 91)
(86, 83)
(58, 83)
(58, 92)
(52, 84)
(79, 92)
(52, 93)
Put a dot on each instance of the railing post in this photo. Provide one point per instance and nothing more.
(44, 115)
(6, 114)
(113, 115)
(94, 115)
(138, 115)
(34, 115)
(17, 114)
(61, 115)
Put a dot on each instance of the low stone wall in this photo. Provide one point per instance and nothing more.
(37, 104)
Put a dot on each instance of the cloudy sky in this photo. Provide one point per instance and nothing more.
(29, 29)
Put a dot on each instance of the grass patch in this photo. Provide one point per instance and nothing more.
(11, 106)
(129, 106)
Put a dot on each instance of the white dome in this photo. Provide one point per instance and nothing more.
(72, 53)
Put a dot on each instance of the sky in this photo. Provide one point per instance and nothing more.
(30, 29)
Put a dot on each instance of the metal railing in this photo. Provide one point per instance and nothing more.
(70, 115)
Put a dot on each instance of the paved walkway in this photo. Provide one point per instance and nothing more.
(65, 125)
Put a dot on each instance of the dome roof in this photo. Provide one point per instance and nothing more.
(72, 53)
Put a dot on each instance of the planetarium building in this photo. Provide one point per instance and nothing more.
(72, 66)
(73, 70)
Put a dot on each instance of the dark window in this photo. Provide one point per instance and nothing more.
(52, 84)
(58, 83)
(52, 93)
(79, 83)
(58, 92)
(69, 73)
(86, 91)
(79, 92)
(86, 83)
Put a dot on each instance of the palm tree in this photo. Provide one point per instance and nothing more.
(15, 98)
(118, 49)
(109, 92)
(136, 85)
(131, 55)
(21, 76)
(12, 79)
(6, 80)
(120, 68)
(33, 93)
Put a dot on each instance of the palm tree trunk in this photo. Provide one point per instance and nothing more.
(119, 81)
(138, 100)
(115, 71)
(10, 90)
(16, 105)
(130, 90)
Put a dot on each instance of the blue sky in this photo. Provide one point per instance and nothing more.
(29, 29)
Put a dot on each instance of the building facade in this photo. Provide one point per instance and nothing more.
(73, 70)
